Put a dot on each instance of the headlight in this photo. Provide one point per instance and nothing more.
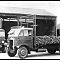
(2, 41)
(7, 45)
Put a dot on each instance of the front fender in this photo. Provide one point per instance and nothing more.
(26, 45)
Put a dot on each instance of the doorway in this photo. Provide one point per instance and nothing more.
(6, 25)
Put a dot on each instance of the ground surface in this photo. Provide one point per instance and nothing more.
(33, 55)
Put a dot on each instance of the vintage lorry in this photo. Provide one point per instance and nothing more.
(26, 30)
(42, 35)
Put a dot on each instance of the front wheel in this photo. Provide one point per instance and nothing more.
(12, 53)
(23, 52)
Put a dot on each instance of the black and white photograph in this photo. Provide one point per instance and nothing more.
(29, 29)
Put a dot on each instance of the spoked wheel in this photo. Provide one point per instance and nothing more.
(12, 53)
(23, 52)
(51, 51)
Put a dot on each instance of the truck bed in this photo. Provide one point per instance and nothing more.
(47, 40)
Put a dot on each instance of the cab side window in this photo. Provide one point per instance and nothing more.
(26, 32)
(29, 32)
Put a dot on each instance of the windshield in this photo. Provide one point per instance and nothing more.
(14, 32)
(11, 31)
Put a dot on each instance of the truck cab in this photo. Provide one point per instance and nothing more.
(20, 38)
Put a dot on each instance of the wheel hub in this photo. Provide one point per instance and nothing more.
(12, 51)
(23, 52)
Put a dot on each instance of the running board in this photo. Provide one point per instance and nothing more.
(41, 50)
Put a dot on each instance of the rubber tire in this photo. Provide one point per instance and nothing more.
(3, 49)
(12, 54)
(24, 49)
(51, 51)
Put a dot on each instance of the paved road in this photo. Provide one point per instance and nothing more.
(33, 55)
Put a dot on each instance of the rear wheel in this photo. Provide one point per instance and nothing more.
(23, 52)
(51, 51)
(59, 49)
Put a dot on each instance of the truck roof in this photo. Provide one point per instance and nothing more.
(17, 27)
(17, 10)
(27, 28)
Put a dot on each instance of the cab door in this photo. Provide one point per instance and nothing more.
(28, 37)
